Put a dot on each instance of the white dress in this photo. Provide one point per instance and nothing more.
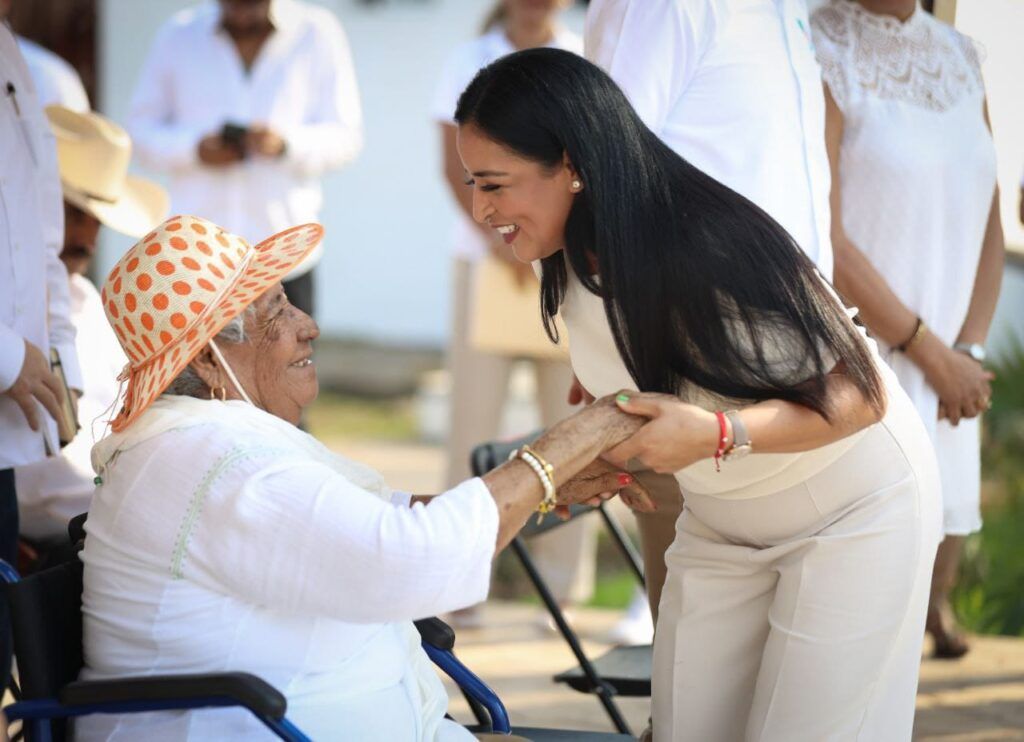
(917, 168)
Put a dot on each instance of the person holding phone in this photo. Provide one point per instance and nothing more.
(246, 105)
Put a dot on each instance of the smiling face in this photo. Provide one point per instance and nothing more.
(525, 201)
(274, 363)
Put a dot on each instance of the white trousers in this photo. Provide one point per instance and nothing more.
(566, 556)
(800, 615)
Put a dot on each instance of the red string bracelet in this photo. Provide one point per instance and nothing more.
(723, 438)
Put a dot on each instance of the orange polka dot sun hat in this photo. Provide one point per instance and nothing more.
(176, 288)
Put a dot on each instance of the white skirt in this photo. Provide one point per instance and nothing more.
(958, 450)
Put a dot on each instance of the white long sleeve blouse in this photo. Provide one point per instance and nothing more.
(216, 543)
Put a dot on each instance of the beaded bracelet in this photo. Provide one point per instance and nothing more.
(545, 473)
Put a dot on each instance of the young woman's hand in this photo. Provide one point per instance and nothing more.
(600, 481)
(677, 434)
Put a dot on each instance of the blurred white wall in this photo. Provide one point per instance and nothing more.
(384, 276)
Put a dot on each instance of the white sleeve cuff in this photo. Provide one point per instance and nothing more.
(12, 356)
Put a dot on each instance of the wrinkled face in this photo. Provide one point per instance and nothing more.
(526, 202)
(80, 232)
(275, 362)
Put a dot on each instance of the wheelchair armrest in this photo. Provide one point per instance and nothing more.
(245, 689)
(436, 633)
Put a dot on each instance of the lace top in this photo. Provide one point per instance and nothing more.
(917, 175)
(921, 61)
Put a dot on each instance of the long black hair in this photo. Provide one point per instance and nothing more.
(696, 280)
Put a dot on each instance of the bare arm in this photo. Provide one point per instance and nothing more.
(570, 447)
(961, 385)
(678, 434)
(989, 278)
(856, 279)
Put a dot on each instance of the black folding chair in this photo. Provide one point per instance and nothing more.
(622, 671)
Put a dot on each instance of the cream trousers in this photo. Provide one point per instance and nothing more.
(800, 615)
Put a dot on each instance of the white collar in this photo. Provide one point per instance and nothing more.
(173, 412)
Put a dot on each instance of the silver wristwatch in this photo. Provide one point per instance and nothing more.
(741, 443)
(974, 350)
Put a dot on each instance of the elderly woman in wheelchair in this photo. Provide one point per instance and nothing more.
(222, 537)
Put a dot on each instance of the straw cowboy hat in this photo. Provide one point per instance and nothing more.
(94, 154)
(177, 288)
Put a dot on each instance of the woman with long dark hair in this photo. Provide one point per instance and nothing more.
(798, 582)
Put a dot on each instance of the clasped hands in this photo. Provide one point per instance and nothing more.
(675, 436)
(215, 151)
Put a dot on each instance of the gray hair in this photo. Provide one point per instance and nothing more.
(187, 383)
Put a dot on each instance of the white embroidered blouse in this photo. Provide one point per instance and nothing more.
(223, 538)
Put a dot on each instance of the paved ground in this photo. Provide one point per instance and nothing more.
(977, 699)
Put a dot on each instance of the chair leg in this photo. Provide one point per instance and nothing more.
(601, 689)
(624, 543)
(37, 730)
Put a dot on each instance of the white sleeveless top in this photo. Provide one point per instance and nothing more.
(599, 367)
(917, 171)
(917, 162)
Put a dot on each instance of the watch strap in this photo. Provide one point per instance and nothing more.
(740, 437)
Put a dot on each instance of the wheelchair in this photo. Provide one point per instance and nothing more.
(46, 618)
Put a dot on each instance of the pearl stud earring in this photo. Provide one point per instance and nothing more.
(577, 185)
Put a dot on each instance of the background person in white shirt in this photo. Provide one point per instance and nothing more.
(94, 154)
(733, 87)
(57, 82)
(279, 74)
(34, 303)
(480, 380)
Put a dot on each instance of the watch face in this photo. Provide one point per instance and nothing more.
(974, 350)
(738, 452)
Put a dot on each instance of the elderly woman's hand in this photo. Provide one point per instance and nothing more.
(600, 481)
(676, 435)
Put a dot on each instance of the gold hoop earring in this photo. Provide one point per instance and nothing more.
(223, 394)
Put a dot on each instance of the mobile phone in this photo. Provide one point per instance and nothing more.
(234, 135)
